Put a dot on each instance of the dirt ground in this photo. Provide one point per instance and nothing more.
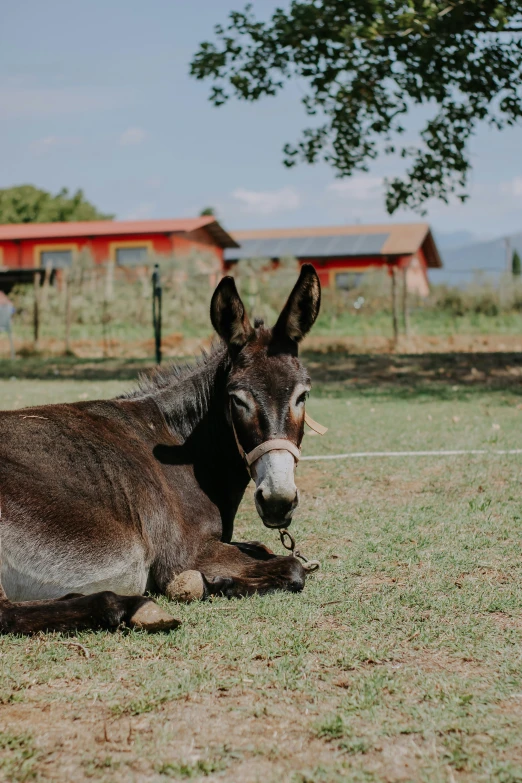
(417, 344)
(175, 345)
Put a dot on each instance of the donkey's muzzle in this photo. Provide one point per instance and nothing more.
(274, 510)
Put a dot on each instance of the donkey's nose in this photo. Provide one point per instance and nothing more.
(275, 510)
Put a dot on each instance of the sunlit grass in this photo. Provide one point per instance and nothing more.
(399, 661)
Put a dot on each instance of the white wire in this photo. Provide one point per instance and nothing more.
(453, 453)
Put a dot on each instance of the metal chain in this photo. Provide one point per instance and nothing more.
(288, 541)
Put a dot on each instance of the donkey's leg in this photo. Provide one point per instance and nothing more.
(226, 569)
(255, 549)
(99, 610)
(81, 612)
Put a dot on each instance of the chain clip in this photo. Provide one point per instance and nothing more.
(288, 541)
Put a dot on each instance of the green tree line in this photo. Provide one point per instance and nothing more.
(28, 204)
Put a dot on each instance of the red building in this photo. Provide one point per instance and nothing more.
(127, 243)
(341, 253)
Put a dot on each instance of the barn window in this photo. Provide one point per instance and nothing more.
(347, 280)
(132, 256)
(56, 259)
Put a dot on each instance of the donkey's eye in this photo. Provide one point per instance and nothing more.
(302, 398)
(239, 402)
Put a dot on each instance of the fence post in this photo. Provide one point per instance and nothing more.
(45, 287)
(405, 308)
(395, 305)
(156, 310)
(11, 342)
(67, 293)
(36, 312)
(109, 281)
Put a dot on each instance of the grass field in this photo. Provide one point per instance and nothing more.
(402, 659)
(423, 322)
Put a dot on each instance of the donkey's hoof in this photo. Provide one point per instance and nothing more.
(151, 617)
(186, 587)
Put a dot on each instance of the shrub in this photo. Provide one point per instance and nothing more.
(486, 304)
(451, 301)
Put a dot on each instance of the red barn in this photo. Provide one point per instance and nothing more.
(341, 253)
(127, 243)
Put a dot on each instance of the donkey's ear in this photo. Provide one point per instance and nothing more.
(228, 315)
(302, 308)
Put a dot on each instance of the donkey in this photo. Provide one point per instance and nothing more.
(104, 501)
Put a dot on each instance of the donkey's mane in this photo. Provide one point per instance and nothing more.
(184, 392)
(160, 378)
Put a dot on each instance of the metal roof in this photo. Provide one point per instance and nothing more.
(392, 239)
(309, 247)
(92, 228)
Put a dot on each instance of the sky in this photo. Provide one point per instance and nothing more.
(97, 96)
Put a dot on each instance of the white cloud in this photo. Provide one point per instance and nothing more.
(493, 209)
(154, 183)
(359, 198)
(132, 136)
(512, 187)
(363, 188)
(16, 101)
(141, 211)
(267, 202)
(362, 198)
(48, 143)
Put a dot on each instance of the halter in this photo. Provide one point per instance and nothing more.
(274, 444)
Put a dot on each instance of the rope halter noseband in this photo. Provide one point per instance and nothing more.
(274, 444)
(280, 444)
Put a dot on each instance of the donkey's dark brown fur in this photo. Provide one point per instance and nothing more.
(103, 501)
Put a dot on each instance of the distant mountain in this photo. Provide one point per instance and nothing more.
(454, 239)
(485, 260)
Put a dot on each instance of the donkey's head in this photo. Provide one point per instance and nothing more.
(267, 389)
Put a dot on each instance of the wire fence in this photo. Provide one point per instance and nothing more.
(99, 307)
(106, 310)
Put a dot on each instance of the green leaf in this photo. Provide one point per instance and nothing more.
(363, 65)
